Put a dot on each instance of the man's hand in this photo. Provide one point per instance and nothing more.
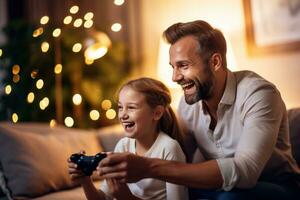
(124, 167)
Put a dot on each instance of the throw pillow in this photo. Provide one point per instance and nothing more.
(34, 156)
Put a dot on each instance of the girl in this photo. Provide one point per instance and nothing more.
(151, 130)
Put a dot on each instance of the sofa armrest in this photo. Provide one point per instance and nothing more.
(109, 136)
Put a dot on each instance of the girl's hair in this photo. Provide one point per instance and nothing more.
(157, 94)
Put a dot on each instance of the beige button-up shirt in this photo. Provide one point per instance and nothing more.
(251, 138)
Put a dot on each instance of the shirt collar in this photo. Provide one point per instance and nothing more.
(230, 89)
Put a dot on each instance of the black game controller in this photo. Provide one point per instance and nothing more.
(87, 163)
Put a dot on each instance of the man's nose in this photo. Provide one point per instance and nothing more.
(176, 76)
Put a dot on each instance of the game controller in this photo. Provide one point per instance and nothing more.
(87, 163)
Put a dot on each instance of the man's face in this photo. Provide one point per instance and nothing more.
(189, 71)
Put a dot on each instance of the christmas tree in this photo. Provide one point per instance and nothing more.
(61, 73)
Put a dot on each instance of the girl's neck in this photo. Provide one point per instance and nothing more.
(142, 145)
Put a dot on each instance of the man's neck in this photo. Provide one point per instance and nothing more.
(213, 103)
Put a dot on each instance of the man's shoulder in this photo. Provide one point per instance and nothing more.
(249, 82)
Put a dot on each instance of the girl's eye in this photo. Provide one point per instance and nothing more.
(131, 107)
(120, 107)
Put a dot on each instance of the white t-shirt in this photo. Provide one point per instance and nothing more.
(164, 148)
(251, 138)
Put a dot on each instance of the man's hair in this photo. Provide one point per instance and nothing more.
(210, 40)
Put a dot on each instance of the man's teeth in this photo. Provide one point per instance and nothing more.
(128, 124)
(186, 85)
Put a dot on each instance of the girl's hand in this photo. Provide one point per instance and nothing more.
(75, 173)
(119, 190)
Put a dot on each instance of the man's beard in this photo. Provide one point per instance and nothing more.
(203, 92)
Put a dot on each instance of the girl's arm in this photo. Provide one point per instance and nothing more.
(90, 190)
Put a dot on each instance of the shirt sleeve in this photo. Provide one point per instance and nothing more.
(261, 118)
(175, 192)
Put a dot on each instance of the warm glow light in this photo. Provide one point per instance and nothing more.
(16, 69)
(76, 47)
(88, 62)
(94, 115)
(58, 69)
(8, 89)
(15, 117)
(68, 19)
(34, 74)
(44, 103)
(116, 27)
(89, 16)
(77, 99)
(37, 32)
(69, 122)
(118, 2)
(16, 78)
(52, 123)
(88, 24)
(77, 23)
(56, 32)
(1, 52)
(106, 104)
(45, 47)
(30, 97)
(74, 9)
(95, 51)
(110, 114)
(44, 20)
(39, 84)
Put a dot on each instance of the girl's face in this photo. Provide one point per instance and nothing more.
(136, 116)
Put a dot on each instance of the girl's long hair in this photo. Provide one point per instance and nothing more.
(157, 94)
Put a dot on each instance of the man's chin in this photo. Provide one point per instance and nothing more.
(191, 99)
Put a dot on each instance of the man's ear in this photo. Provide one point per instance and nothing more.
(216, 61)
(158, 112)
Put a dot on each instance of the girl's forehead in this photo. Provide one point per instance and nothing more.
(130, 93)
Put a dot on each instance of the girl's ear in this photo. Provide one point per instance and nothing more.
(158, 112)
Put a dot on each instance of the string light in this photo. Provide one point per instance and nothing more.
(39, 84)
(68, 19)
(118, 2)
(88, 24)
(52, 123)
(88, 16)
(15, 69)
(44, 20)
(77, 23)
(116, 27)
(76, 47)
(88, 61)
(45, 47)
(34, 74)
(74, 9)
(77, 99)
(15, 117)
(106, 104)
(37, 32)
(94, 115)
(8, 89)
(58, 69)
(110, 114)
(44, 103)
(56, 32)
(30, 97)
(69, 122)
(1, 52)
(16, 78)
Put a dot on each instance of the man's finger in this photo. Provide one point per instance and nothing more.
(113, 159)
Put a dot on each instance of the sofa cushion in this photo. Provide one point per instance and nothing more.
(34, 156)
(294, 123)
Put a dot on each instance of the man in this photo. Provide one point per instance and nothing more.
(237, 120)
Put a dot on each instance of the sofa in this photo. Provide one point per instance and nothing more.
(33, 157)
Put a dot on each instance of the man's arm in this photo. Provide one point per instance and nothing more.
(130, 168)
